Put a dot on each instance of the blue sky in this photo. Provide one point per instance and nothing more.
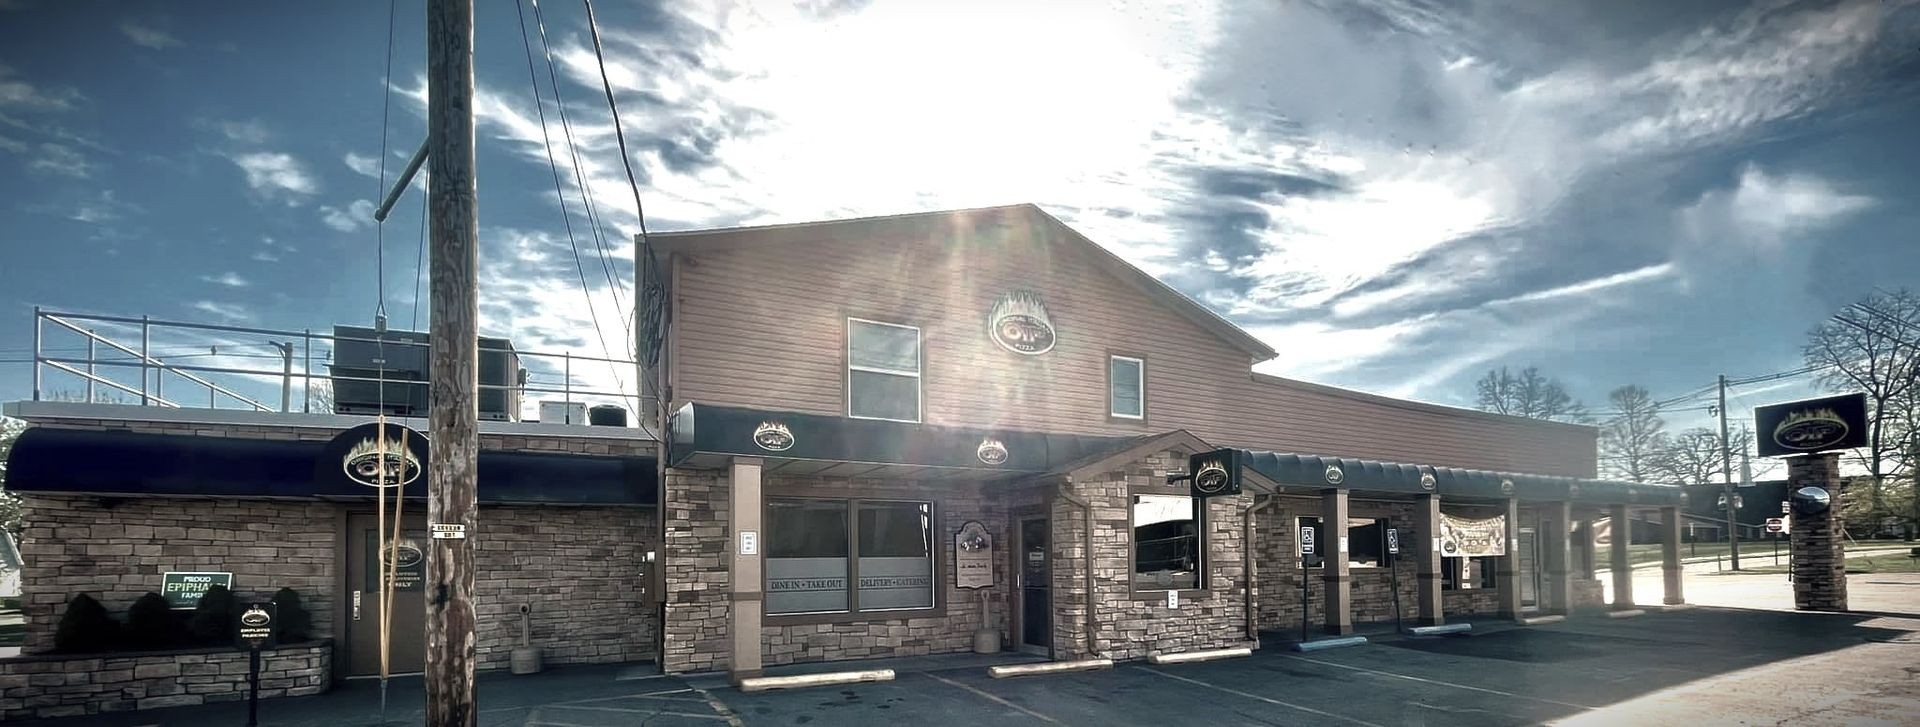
(1395, 195)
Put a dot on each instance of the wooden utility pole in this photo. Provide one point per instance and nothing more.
(453, 415)
(1726, 489)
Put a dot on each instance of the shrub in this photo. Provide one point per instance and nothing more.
(212, 620)
(85, 627)
(291, 622)
(152, 624)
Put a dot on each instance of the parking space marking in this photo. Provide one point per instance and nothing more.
(1437, 682)
(1268, 700)
(625, 710)
(993, 697)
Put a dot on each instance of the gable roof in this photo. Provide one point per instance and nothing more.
(876, 230)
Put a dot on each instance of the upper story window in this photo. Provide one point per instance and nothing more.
(883, 371)
(1126, 387)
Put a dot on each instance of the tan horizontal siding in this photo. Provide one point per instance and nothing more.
(764, 326)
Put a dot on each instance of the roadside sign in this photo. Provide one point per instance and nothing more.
(256, 624)
(447, 531)
(1393, 541)
(1776, 525)
(1306, 540)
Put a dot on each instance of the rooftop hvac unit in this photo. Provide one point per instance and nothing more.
(364, 358)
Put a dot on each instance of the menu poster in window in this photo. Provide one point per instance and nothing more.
(1472, 537)
(973, 556)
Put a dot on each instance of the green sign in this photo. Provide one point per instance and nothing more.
(183, 590)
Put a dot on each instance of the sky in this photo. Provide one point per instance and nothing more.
(1396, 195)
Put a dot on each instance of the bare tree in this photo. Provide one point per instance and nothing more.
(1693, 457)
(10, 430)
(1633, 435)
(1527, 394)
(1875, 349)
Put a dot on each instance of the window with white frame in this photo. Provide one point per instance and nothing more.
(883, 371)
(1126, 387)
(1169, 542)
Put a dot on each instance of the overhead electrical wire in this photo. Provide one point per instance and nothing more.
(579, 175)
(560, 197)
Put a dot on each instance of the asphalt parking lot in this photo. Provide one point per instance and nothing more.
(1703, 666)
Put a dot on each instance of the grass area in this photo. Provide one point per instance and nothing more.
(1650, 552)
(1889, 563)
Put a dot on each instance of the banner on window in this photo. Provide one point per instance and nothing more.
(1472, 537)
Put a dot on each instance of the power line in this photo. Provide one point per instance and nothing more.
(579, 174)
(560, 196)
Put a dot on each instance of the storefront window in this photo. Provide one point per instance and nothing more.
(1126, 387)
(1477, 572)
(806, 545)
(810, 543)
(1366, 541)
(896, 555)
(1168, 546)
(883, 371)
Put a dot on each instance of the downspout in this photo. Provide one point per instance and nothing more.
(1249, 564)
(1086, 507)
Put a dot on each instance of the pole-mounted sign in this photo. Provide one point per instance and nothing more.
(255, 631)
(1813, 425)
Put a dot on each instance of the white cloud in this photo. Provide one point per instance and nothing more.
(248, 131)
(227, 312)
(229, 279)
(364, 165)
(276, 175)
(357, 215)
(60, 160)
(19, 94)
(148, 36)
(1762, 212)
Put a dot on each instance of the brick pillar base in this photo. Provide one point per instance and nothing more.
(1819, 553)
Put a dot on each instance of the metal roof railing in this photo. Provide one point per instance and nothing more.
(237, 384)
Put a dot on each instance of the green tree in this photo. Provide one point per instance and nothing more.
(1527, 394)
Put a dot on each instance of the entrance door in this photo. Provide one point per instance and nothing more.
(406, 650)
(1036, 588)
(1527, 568)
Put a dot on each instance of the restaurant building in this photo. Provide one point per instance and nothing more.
(905, 435)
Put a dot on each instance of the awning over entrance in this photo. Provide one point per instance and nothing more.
(1375, 476)
(73, 461)
(704, 435)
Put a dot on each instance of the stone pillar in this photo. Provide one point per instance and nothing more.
(1333, 524)
(1819, 548)
(1554, 538)
(747, 597)
(1507, 576)
(1426, 519)
(1670, 556)
(1583, 548)
(1620, 535)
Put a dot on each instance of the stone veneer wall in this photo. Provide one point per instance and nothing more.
(694, 557)
(116, 550)
(1819, 548)
(946, 632)
(66, 686)
(1130, 627)
(568, 563)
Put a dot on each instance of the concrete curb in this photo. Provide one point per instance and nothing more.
(1677, 607)
(1629, 613)
(1049, 667)
(1439, 630)
(1192, 656)
(761, 684)
(1538, 620)
(1324, 644)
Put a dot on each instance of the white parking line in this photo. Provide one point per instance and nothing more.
(1437, 682)
(1268, 700)
(637, 711)
(994, 698)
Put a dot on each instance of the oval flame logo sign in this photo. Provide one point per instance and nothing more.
(1810, 430)
(773, 437)
(1019, 323)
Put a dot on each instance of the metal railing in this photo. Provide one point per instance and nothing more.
(155, 369)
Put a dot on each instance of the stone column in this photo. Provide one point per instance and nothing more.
(1333, 525)
(1426, 519)
(1554, 538)
(1819, 547)
(1620, 534)
(1507, 576)
(1583, 550)
(747, 597)
(1670, 556)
